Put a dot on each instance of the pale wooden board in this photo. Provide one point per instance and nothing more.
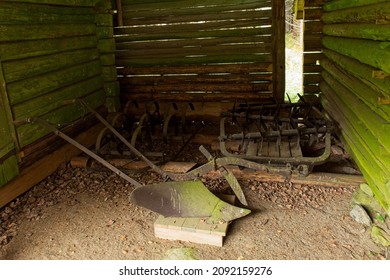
(178, 167)
(273, 149)
(188, 236)
(285, 149)
(263, 149)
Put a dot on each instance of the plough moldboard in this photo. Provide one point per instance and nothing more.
(183, 194)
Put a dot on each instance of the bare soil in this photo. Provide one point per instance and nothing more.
(82, 214)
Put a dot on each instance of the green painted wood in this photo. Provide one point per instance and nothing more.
(44, 31)
(77, 3)
(376, 54)
(24, 13)
(344, 4)
(104, 32)
(107, 59)
(29, 133)
(362, 14)
(113, 104)
(106, 45)
(360, 89)
(379, 32)
(109, 73)
(376, 175)
(44, 104)
(26, 68)
(40, 85)
(24, 49)
(360, 70)
(8, 170)
(104, 20)
(374, 124)
(112, 89)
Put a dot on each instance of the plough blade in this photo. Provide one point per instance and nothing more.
(186, 199)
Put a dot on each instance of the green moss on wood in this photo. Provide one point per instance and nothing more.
(37, 86)
(376, 54)
(363, 14)
(378, 32)
(344, 4)
(8, 170)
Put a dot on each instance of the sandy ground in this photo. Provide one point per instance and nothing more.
(80, 214)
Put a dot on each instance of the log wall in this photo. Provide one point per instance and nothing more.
(356, 84)
(312, 48)
(204, 50)
(50, 51)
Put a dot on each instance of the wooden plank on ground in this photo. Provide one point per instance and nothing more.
(46, 166)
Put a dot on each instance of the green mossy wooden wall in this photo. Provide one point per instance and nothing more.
(356, 84)
(51, 51)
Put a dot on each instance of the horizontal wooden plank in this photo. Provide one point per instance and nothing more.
(364, 14)
(310, 69)
(199, 97)
(44, 104)
(198, 69)
(26, 68)
(134, 19)
(211, 25)
(24, 49)
(196, 42)
(361, 70)
(45, 166)
(378, 55)
(194, 51)
(312, 43)
(379, 32)
(313, 13)
(309, 79)
(311, 89)
(314, 3)
(344, 4)
(196, 87)
(44, 31)
(374, 123)
(76, 3)
(190, 79)
(24, 13)
(358, 88)
(28, 133)
(36, 86)
(185, 7)
(195, 60)
(312, 58)
(311, 27)
(266, 30)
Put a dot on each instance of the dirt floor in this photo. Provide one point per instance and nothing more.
(83, 214)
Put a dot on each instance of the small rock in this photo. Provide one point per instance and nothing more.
(359, 214)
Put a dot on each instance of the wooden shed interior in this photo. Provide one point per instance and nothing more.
(203, 56)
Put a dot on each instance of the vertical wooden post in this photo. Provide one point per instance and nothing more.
(278, 55)
(120, 12)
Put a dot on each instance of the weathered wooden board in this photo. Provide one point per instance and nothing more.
(26, 68)
(378, 56)
(40, 85)
(363, 14)
(28, 133)
(24, 49)
(344, 4)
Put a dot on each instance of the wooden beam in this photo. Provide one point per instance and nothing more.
(46, 166)
(278, 26)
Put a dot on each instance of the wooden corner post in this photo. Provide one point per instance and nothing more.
(278, 52)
